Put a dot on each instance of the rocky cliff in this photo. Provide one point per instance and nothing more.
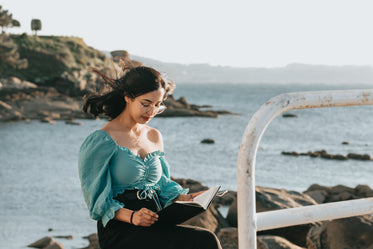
(45, 77)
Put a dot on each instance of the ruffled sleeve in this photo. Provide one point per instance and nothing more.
(169, 188)
(94, 172)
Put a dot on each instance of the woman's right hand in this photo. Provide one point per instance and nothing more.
(144, 217)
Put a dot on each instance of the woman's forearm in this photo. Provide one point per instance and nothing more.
(123, 214)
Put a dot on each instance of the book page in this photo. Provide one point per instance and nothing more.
(205, 198)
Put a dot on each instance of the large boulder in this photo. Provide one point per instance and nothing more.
(181, 108)
(43, 242)
(325, 194)
(229, 240)
(211, 219)
(273, 199)
(193, 185)
(348, 233)
(275, 242)
(93, 241)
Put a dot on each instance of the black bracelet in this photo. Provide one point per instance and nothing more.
(133, 212)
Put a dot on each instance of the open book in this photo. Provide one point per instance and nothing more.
(180, 211)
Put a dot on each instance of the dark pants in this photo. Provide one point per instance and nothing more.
(122, 235)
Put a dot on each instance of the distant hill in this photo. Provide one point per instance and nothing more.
(63, 62)
(292, 73)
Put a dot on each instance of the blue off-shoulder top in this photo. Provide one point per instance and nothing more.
(107, 169)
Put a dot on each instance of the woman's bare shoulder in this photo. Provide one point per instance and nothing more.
(155, 136)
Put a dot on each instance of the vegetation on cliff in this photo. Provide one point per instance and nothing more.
(60, 62)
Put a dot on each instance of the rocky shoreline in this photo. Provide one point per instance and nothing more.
(45, 78)
(25, 101)
(324, 154)
(347, 233)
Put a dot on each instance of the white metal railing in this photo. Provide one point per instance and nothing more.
(248, 221)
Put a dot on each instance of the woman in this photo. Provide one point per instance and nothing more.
(124, 175)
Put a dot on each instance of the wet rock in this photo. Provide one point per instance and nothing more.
(324, 154)
(64, 237)
(355, 156)
(339, 157)
(181, 108)
(42, 243)
(348, 233)
(72, 122)
(290, 153)
(289, 115)
(208, 141)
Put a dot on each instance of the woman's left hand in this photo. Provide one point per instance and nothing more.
(188, 197)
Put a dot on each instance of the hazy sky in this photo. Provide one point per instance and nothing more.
(248, 33)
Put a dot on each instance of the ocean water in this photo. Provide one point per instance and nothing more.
(40, 189)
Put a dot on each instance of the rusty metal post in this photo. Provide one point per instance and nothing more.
(250, 141)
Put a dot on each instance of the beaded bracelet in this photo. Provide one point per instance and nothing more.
(133, 212)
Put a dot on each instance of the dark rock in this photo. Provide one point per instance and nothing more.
(345, 143)
(211, 219)
(314, 187)
(42, 243)
(338, 192)
(339, 157)
(181, 108)
(318, 195)
(275, 242)
(64, 237)
(290, 153)
(326, 156)
(354, 233)
(93, 241)
(208, 141)
(272, 199)
(229, 240)
(194, 186)
(363, 191)
(47, 120)
(358, 156)
(72, 122)
(226, 200)
(289, 115)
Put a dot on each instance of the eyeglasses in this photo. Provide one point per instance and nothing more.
(148, 107)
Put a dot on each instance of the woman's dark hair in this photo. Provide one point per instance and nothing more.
(135, 82)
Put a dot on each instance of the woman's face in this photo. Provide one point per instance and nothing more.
(144, 107)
